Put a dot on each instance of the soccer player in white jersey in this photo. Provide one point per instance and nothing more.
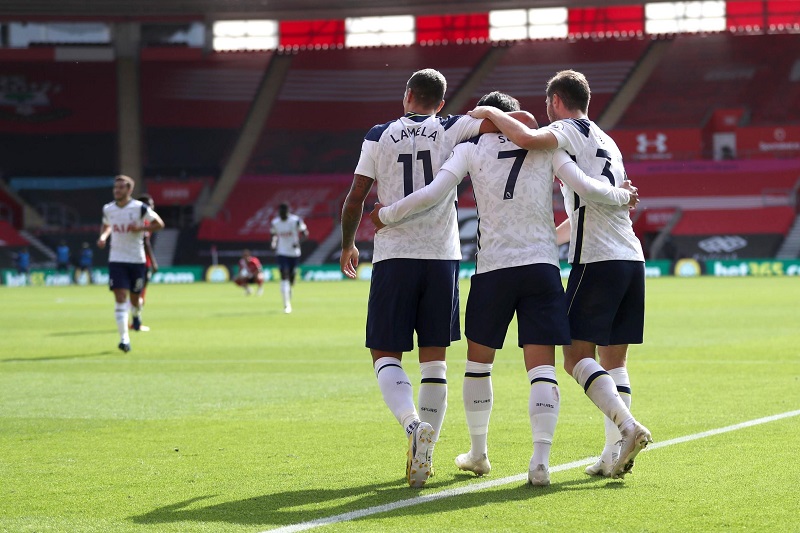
(414, 285)
(287, 230)
(125, 221)
(605, 290)
(517, 272)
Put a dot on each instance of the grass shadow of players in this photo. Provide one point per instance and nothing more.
(55, 357)
(300, 506)
(284, 508)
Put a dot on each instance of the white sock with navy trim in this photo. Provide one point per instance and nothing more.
(478, 400)
(601, 389)
(397, 392)
(432, 399)
(544, 404)
(613, 436)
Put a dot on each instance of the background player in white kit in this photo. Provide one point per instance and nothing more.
(517, 271)
(605, 290)
(414, 285)
(125, 221)
(287, 230)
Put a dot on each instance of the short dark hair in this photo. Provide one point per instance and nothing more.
(127, 179)
(428, 86)
(146, 198)
(501, 101)
(572, 88)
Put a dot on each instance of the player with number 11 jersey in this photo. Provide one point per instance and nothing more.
(403, 156)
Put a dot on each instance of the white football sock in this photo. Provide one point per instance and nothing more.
(121, 316)
(136, 310)
(397, 392)
(432, 399)
(478, 399)
(285, 292)
(601, 389)
(543, 406)
(613, 436)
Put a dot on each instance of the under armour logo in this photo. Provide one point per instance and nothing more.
(659, 143)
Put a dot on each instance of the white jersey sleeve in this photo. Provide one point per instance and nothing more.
(589, 188)
(367, 165)
(444, 182)
(447, 179)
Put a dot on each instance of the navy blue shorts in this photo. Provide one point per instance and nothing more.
(286, 263)
(534, 292)
(606, 302)
(408, 295)
(128, 276)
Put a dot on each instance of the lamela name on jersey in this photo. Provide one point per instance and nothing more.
(414, 132)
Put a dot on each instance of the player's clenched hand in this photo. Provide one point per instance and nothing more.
(375, 218)
(482, 111)
(348, 261)
(634, 192)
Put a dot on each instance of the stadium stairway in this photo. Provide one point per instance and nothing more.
(39, 245)
(325, 249)
(166, 241)
(790, 248)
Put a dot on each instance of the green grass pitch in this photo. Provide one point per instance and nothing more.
(230, 416)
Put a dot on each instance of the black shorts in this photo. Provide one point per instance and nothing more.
(408, 295)
(606, 302)
(286, 263)
(534, 292)
(128, 276)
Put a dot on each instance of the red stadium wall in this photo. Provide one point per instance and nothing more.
(254, 201)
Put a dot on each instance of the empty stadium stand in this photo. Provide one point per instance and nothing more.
(193, 107)
(701, 72)
(526, 67)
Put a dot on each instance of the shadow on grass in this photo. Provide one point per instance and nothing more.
(76, 333)
(294, 507)
(55, 357)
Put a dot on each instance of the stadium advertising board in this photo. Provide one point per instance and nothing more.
(176, 192)
(659, 145)
(725, 247)
(782, 142)
(45, 277)
(754, 267)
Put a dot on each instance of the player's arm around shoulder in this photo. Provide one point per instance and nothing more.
(516, 131)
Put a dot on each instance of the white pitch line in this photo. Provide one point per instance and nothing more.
(448, 493)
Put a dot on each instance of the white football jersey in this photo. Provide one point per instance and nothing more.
(514, 194)
(288, 232)
(599, 232)
(127, 246)
(402, 156)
